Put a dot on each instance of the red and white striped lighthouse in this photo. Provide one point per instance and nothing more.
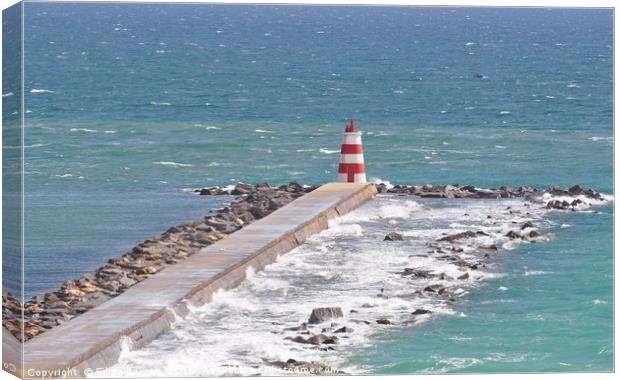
(351, 168)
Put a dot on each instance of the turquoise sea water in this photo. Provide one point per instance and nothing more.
(126, 105)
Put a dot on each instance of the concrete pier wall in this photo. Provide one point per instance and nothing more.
(94, 340)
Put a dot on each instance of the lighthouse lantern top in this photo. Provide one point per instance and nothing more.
(350, 126)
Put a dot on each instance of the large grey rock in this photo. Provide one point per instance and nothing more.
(322, 314)
(241, 189)
(317, 339)
(93, 299)
(201, 237)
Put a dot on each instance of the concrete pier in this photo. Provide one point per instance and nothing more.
(94, 339)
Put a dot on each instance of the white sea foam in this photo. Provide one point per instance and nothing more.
(601, 138)
(262, 131)
(7, 94)
(535, 273)
(328, 151)
(153, 103)
(110, 132)
(25, 146)
(172, 164)
(41, 91)
(212, 127)
(86, 130)
(586, 202)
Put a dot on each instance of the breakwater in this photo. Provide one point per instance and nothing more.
(95, 339)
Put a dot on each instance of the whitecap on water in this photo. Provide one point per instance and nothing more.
(86, 130)
(41, 91)
(535, 273)
(25, 146)
(603, 138)
(172, 164)
(328, 151)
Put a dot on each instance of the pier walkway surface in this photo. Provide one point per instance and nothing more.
(94, 340)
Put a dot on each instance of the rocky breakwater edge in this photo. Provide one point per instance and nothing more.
(465, 254)
(75, 297)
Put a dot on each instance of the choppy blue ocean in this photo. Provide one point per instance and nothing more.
(129, 104)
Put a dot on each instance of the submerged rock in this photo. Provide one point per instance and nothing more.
(393, 236)
(463, 235)
(344, 330)
(527, 225)
(421, 312)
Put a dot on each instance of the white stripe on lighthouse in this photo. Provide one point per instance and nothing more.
(359, 177)
(353, 138)
(351, 158)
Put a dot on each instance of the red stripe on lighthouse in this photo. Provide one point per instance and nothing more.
(351, 149)
(346, 168)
